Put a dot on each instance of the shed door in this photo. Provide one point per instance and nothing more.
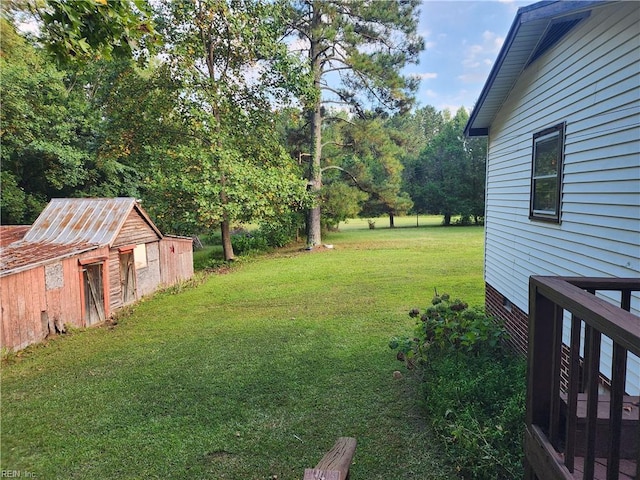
(127, 277)
(94, 294)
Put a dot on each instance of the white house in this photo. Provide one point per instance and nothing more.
(561, 110)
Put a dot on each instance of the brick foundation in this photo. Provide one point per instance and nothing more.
(515, 320)
(517, 324)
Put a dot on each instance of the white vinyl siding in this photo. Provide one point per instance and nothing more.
(590, 81)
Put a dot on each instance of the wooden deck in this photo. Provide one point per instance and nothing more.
(581, 425)
(627, 470)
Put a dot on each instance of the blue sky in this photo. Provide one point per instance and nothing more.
(462, 41)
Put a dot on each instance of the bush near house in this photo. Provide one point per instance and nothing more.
(474, 387)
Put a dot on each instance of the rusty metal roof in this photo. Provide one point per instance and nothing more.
(66, 227)
(20, 256)
(86, 220)
(12, 233)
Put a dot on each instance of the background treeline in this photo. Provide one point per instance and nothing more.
(206, 133)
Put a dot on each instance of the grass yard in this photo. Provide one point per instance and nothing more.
(250, 375)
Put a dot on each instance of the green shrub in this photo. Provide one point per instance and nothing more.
(474, 387)
(281, 232)
(273, 234)
(448, 325)
(209, 257)
(246, 243)
(213, 237)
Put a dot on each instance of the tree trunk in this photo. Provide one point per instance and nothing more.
(391, 221)
(447, 219)
(227, 247)
(225, 230)
(314, 226)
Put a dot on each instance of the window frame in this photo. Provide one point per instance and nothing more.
(544, 135)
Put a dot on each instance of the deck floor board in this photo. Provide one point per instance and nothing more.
(627, 469)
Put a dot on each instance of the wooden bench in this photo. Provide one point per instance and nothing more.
(336, 462)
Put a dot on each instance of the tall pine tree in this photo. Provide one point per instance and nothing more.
(356, 50)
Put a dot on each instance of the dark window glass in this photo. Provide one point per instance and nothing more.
(546, 174)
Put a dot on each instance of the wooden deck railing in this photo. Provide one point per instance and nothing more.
(579, 424)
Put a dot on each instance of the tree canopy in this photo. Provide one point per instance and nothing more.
(247, 111)
(232, 167)
(46, 130)
(84, 30)
(447, 177)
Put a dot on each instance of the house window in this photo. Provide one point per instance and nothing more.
(546, 174)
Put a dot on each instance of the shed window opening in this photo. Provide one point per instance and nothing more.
(546, 176)
(140, 256)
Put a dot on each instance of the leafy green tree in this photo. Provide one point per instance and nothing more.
(374, 161)
(448, 176)
(363, 46)
(139, 125)
(413, 130)
(231, 64)
(476, 149)
(417, 130)
(83, 30)
(46, 130)
(340, 202)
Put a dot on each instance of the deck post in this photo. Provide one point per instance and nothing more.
(540, 357)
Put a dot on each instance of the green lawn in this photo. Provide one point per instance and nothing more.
(252, 374)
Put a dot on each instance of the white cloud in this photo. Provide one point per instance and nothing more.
(473, 77)
(426, 75)
(478, 58)
(430, 93)
(493, 41)
(429, 45)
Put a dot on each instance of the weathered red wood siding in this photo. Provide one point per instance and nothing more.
(115, 282)
(135, 231)
(31, 307)
(22, 298)
(176, 259)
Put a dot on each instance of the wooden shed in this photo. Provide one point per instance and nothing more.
(79, 262)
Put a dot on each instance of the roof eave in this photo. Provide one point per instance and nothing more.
(476, 132)
(535, 12)
(492, 76)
